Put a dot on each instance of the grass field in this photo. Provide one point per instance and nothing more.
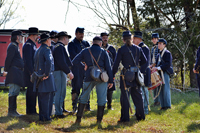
(184, 116)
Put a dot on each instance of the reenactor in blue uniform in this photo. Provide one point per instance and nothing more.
(13, 71)
(103, 61)
(28, 50)
(163, 63)
(74, 48)
(44, 65)
(197, 68)
(154, 52)
(124, 56)
(112, 53)
(62, 68)
(54, 39)
(138, 40)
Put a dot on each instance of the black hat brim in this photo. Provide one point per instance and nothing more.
(139, 37)
(63, 35)
(43, 40)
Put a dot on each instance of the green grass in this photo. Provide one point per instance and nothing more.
(184, 116)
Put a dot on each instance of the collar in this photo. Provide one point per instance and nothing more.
(141, 44)
(95, 45)
(43, 44)
(16, 43)
(105, 46)
(31, 41)
(60, 43)
(76, 40)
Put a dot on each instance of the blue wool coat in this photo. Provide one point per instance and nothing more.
(103, 62)
(147, 72)
(166, 61)
(125, 58)
(61, 59)
(28, 50)
(14, 65)
(45, 66)
(112, 54)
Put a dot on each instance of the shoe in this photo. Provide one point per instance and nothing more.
(60, 116)
(122, 122)
(110, 108)
(32, 114)
(165, 108)
(66, 111)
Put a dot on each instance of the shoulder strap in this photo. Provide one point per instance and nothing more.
(94, 58)
(37, 56)
(132, 56)
(107, 47)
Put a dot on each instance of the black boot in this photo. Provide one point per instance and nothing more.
(100, 113)
(109, 98)
(12, 101)
(66, 111)
(87, 107)
(80, 113)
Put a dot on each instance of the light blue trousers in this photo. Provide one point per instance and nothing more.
(60, 82)
(165, 94)
(145, 97)
(14, 90)
(101, 90)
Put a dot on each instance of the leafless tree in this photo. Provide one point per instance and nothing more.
(7, 12)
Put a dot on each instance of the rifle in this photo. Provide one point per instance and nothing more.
(126, 94)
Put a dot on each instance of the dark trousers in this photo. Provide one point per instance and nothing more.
(198, 83)
(30, 101)
(45, 101)
(136, 95)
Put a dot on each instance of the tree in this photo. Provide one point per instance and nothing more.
(7, 12)
(177, 19)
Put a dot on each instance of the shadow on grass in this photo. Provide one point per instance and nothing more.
(88, 114)
(194, 127)
(23, 121)
(74, 127)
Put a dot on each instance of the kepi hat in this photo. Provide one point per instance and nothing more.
(43, 37)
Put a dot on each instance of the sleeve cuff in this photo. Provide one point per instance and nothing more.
(158, 68)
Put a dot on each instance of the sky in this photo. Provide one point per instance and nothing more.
(50, 15)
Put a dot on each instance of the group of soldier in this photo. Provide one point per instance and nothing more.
(56, 65)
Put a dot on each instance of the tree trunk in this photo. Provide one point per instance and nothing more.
(155, 15)
(134, 15)
(188, 12)
(182, 76)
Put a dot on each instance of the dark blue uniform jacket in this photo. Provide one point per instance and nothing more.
(166, 61)
(28, 50)
(155, 47)
(147, 72)
(45, 66)
(53, 44)
(104, 61)
(61, 59)
(14, 65)
(112, 54)
(125, 58)
(75, 47)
